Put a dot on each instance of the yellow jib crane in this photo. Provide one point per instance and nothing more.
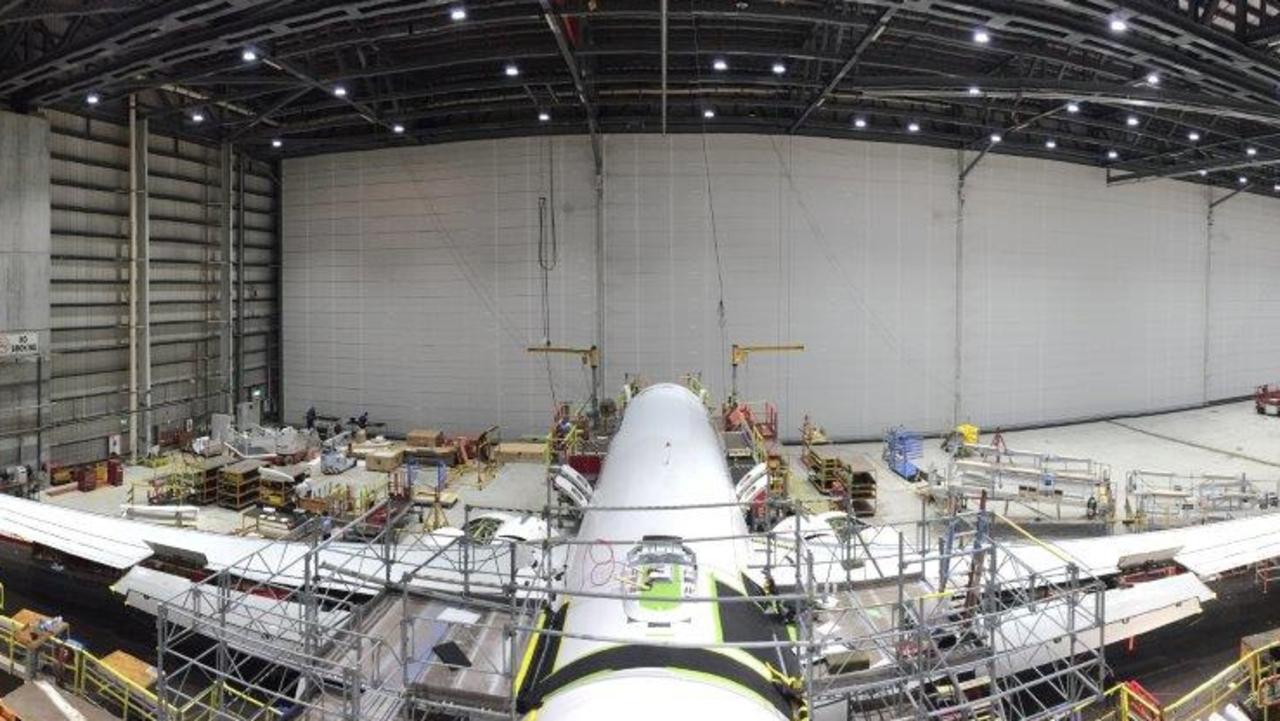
(590, 357)
(738, 356)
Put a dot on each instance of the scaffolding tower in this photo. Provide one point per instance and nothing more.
(935, 619)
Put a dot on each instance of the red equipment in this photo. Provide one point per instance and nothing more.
(1266, 400)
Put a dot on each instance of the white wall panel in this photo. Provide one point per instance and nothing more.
(412, 284)
(846, 247)
(1079, 299)
(1244, 296)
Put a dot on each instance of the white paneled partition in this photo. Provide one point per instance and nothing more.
(412, 282)
(1244, 293)
(1079, 299)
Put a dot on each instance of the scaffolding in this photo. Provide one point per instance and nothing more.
(1157, 499)
(928, 620)
(1028, 483)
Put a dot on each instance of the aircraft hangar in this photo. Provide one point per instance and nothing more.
(566, 360)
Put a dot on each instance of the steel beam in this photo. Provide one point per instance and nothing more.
(140, 420)
(870, 36)
(553, 22)
(240, 299)
(226, 158)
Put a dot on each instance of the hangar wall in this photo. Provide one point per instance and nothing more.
(412, 282)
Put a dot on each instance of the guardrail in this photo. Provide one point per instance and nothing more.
(80, 672)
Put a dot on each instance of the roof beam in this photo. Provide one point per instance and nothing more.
(870, 36)
(566, 52)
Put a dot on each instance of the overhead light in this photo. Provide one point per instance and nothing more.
(1112, 155)
(913, 127)
(1202, 172)
(544, 116)
(511, 70)
(1193, 136)
(340, 91)
(1251, 152)
(981, 37)
(859, 123)
(975, 90)
(708, 113)
(1153, 79)
(779, 68)
(458, 13)
(92, 98)
(1118, 25)
(1242, 180)
(249, 55)
(1276, 187)
(720, 64)
(197, 117)
(996, 137)
(1051, 143)
(277, 142)
(1073, 107)
(397, 128)
(1131, 121)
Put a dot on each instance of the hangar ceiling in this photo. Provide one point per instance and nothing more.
(1146, 88)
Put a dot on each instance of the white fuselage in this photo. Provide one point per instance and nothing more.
(666, 454)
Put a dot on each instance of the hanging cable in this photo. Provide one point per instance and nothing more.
(711, 205)
(548, 257)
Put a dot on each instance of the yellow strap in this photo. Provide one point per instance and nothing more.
(528, 655)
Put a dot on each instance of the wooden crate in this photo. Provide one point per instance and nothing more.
(428, 438)
(384, 461)
(519, 451)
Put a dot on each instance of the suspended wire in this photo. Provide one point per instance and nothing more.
(548, 258)
(711, 204)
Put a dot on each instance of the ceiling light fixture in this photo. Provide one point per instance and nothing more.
(1153, 79)
(859, 123)
(1202, 172)
(339, 91)
(1051, 144)
(1118, 25)
(458, 14)
(1250, 152)
(511, 70)
(249, 55)
(708, 113)
(544, 116)
(1073, 107)
(1112, 155)
(277, 143)
(975, 90)
(1242, 180)
(197, 117)
(1193, 136)
(1131, 121)
(996, 137)
(981, 37)
(720, 64)
(913, 127)
(397, 128)
(779, 68)
(92, 98)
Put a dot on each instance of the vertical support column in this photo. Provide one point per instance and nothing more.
(598, 380)
(139, 287)
(225, 321)
(1208, 281)
(958, 409)
(240, 213)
